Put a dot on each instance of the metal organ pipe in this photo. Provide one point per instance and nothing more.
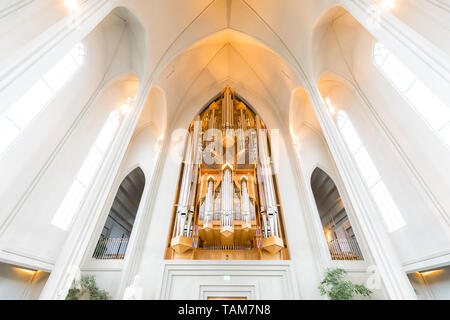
(197, 155)
(245, 202)
(266, 175)
(227, 110)
(241, 135)
(187, 191)
(209, 205)
(211, 131)
(227, 199)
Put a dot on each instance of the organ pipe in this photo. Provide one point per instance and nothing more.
(227, 198)
(245, 202)
(266, 175)
(209, 206)
(230, 187)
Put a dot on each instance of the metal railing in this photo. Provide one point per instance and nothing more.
(110, 248)
(345, 249)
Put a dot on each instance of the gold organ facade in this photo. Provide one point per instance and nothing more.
(227, 204)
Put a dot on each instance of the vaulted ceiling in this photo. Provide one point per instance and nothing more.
(258, 47)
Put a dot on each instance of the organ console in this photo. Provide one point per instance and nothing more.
(227, 203)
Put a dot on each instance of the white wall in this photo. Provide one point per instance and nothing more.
(189, 280)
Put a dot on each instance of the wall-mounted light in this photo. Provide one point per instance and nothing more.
(72, 5)
(387, 4)
(430, 272)
(297, 143)
(158, 143)
(330, 106)
(125, 108)
(73, 8)
(24, 270)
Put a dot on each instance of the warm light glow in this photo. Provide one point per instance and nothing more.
(158, 143)
(72, 4)
(328, 234)
(29, 271)
(427, 273)
(296, 142)
(331, 108)
(124, 109)
(387, 4)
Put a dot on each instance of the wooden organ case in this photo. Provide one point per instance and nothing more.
(227, 202)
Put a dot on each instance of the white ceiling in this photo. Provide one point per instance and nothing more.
(195, 48)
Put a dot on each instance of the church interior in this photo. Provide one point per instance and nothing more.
(224, 149)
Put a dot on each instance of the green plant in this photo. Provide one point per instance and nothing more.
(336, 288)
(87, 285)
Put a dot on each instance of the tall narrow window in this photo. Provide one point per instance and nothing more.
(72, 201)
(21, 113)
(386, 205)
(430, 107)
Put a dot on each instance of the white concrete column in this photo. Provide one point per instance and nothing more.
(388, 265)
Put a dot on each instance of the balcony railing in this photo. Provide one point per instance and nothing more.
(345, 249)
(111, 248)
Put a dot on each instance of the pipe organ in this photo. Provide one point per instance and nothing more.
(227, 203)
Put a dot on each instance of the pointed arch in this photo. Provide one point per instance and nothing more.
(338, 231)
(116, 232)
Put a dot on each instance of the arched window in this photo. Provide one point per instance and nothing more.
(430, 107)
(386, 205)
(339, 234)
(69, 206)
(116, 232)
(21, 113)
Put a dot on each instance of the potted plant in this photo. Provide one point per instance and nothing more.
(86, 289)
(336, 288)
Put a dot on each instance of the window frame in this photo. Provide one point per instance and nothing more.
(341, 114)
(66, 225)
(436, 132)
